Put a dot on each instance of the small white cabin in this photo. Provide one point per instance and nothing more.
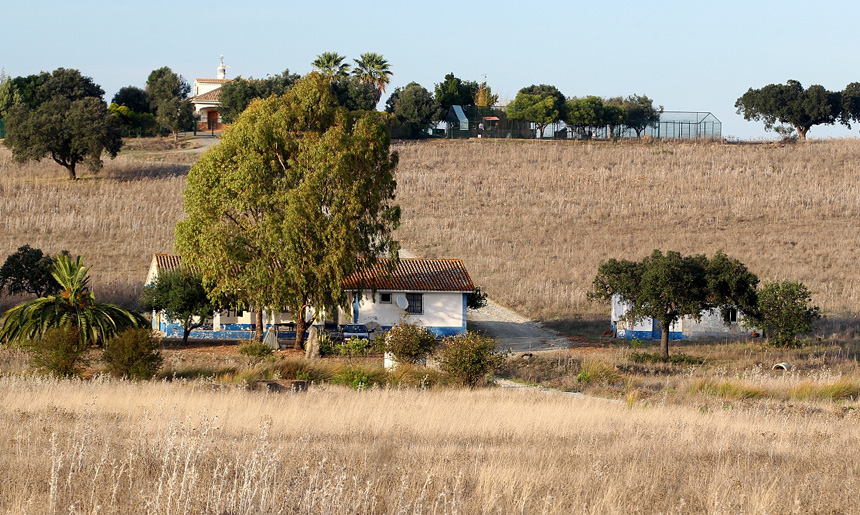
(711, 325)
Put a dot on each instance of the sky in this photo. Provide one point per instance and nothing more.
(685, 55)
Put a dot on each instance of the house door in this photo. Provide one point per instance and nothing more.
(212, 120)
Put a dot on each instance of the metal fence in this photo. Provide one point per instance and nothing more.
(492, 122)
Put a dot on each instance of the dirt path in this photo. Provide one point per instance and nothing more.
(514, 331)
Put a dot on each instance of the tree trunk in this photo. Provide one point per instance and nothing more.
(71, 170)
(801, 132)
(664, 339)
(258, 321)
(301, 327)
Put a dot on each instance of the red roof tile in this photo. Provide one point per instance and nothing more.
(410, 274)
(210, 96)
(413, 274)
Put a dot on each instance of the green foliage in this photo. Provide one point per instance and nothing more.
(74, 306)
(791, 104)
(584, 114)
(134, 123)
(297, 196)
(354, 95)
(476, 299)
(167, 93)
(28, 271)
(69, 131)
(331, 65)
(668, 287)
(470, 357)
(640, 113)
(59, 351)
(415, 108)
(409, 343)
(238, 94)
(373, 69)
(850, 104)
(355, 348)
(728, 389)
(181, 296)
(597, 372)
(785, 311)
(134, 354)
(358, 378)
(133, 98)
(255, 351)
(541, 105)
(453, 92)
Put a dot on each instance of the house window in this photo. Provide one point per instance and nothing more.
(733, 315)
(385, 298)
(416, 303)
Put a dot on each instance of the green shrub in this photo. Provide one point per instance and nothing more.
(409, 343)
(356, 377)
(785, 311)
(255, 351)
(597, 372)
(59, 352)
(470, 357)
(134, 354)
(728, 389)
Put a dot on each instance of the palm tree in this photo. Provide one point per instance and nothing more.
(74, 306)
(371, 68)
(331, 65)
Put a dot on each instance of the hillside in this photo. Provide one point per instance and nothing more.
(531, 219)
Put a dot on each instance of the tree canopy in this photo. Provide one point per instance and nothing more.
(414, 108)
(541, 105)
(331, 65)
(180, 295)
(237, 94)
(640, 113)
(453, 91)
(28, 271)
(167, 92)
(373, 69)
(667, 287)
(297, 195)
(133, 98)
(791, 104)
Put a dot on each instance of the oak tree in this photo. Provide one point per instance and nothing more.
(790, 104)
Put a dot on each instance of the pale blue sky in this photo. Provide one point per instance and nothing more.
(698, 56)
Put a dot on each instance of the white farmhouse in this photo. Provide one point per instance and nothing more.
(427, 292)
(711, 325)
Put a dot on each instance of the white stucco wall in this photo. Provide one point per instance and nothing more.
(441, 309)
(201, 87)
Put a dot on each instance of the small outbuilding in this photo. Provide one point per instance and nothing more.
(711, 325)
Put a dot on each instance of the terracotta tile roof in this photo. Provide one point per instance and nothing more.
(217, 81)
(209, 96)
(166, 262)
(410, 274)
(414, 274)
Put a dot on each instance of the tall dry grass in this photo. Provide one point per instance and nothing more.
(117, 447)
(117, 219)
(533, 220)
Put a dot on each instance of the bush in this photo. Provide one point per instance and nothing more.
(409, 343)
(255, 351)
(356, 377)
(59, 352)
(470, 357)
(785, 311)
(597, 372)
(134, 354)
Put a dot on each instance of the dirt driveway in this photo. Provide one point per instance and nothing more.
(513, 331)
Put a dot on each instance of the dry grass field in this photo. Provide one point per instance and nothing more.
(116, 447)
(531, 219)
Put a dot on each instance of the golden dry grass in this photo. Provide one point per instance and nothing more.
(116, 219)
(533, 220)
(116, 447)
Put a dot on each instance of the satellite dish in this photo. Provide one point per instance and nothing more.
(402, 303)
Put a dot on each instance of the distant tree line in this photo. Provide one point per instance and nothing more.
(789, 107)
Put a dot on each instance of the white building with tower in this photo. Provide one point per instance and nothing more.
(206, 99)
